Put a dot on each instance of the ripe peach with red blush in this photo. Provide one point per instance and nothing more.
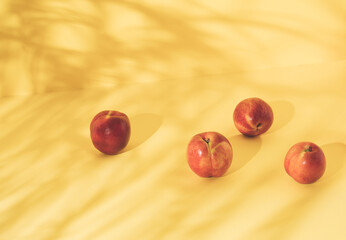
(110, 131)
(253, 116)
(209, 154)
(305, 162)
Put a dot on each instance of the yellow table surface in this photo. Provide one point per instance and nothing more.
(176, 68)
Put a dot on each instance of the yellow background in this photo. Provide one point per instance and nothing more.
(176, 68)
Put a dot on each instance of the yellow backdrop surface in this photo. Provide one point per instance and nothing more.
(176, 68)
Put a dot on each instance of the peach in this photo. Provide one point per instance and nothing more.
(110, 131)
(305, 162)
(253, 116)
(209, 154)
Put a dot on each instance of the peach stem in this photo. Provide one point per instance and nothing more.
(309, 149)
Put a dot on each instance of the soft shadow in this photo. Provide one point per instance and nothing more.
(244, 149)
(283, 113)
(143, 126)
(335, 154)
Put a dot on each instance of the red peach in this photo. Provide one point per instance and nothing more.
(110, 131)
(305, 162)
(209, 154)
(253, 116)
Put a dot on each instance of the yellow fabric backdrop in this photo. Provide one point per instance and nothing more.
(176, 68)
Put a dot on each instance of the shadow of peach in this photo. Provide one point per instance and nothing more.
(143, 126)
(335, 154)
(283, 114)
(244, 149)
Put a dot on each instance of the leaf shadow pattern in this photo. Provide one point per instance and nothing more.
(93, 55)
